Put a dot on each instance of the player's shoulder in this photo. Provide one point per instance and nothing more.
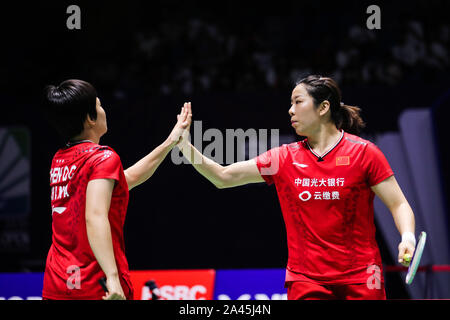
(293, 145)
(105, 151)
(103, 148)
(283, 148)
(361, 144)
(357, 140)
(287, 148)
(99, 153)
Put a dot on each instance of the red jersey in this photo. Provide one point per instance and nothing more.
(327, 206)
(72, 271)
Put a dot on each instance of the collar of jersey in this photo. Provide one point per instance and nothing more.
(320, 157)
(74, 143)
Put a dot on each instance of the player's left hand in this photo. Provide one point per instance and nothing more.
(405, 247)
(181, 129)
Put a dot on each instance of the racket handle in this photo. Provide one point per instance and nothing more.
(102, 282)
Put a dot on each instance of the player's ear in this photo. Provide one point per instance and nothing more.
(324, 107)
(89, 122)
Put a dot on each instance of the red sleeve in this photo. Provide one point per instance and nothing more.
(105, 164)
(270, 162)
(376, 165)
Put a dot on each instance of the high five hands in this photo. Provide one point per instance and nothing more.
(180, 131)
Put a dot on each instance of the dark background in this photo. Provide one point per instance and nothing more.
(237, 61)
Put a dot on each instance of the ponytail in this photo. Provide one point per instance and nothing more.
(350, 119)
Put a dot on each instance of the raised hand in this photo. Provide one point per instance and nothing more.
(181, 129)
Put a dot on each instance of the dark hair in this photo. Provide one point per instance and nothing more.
(67, 105)
(324, 88)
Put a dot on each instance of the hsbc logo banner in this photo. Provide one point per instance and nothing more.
(174, 284)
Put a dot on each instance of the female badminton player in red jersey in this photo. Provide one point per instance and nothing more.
(326, 184)
(89, 197)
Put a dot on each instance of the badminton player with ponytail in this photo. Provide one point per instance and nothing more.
(326, 185)
(89, 197)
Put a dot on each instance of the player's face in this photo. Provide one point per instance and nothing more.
(101, 125)
(304, 115)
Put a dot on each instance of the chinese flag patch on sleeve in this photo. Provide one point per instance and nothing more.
(342, 161)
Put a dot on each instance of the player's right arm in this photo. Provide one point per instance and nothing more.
(236, 174)
(98, 200)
